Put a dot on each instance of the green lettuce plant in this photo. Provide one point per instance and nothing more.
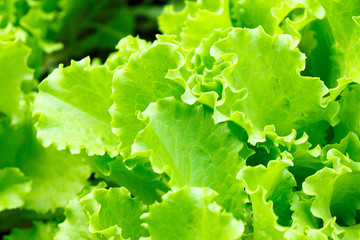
(239, 121)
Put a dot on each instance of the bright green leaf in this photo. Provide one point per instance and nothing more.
(13, 188)
(185, 143)
(191, 213)
(76, 117)
(114, 213)
(140, 82)
(271, 79)
(13, 62)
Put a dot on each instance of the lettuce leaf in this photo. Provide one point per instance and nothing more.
(142, 81)
(238, 121)
(193, 214)
(87, 105)
(183, 141)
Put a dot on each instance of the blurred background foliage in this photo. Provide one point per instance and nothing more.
(61, 30)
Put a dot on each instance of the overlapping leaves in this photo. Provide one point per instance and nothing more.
(210, 132)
